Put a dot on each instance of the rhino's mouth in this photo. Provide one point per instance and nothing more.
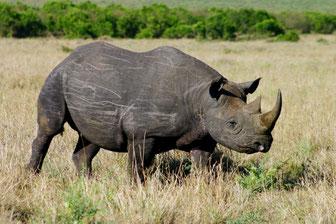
(244, 149)
(257, 147)
(250, 150)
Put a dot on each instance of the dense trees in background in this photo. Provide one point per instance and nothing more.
(84, 20)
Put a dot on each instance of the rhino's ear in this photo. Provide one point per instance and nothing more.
(216, 86)
(249, 87)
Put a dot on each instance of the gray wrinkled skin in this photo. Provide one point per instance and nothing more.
(144, 104)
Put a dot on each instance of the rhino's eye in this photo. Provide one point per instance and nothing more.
(232, 124)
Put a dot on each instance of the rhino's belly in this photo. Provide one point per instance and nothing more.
(96, 118)
(100, 128)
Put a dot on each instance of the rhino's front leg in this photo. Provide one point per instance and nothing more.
(140, 156)
(201, 151)
(200, 158)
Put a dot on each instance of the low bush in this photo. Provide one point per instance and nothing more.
(78, 207)
(268, 27)
(289, 36)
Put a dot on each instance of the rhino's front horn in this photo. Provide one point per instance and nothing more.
(269, 119)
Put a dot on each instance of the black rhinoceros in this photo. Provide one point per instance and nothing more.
(147, 103)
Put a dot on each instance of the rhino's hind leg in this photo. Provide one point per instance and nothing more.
(50, 119)
(39, 150)
(50, 124)
(140, 157)
(84, 153)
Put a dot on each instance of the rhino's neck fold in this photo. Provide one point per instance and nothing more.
(197, 100)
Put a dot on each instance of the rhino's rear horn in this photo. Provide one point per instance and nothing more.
(269, 119)
(254, 107)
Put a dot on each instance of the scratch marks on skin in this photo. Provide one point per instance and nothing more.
(97, 104)
(135, 68)
(97, 68)
(159, 114)
(168, 61)
(124, 112)
(91, 85)
(116, 58)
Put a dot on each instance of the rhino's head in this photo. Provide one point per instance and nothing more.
(235, 124)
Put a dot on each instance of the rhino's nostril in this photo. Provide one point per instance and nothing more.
(259, 146)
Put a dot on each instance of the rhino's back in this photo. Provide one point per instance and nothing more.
(110, 91)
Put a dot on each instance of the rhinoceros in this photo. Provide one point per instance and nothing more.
(147, 103)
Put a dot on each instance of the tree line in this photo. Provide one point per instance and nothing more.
(88, 20)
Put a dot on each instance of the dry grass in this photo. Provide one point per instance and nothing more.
(300, 167)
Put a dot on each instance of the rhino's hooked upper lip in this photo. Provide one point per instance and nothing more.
(258, 148)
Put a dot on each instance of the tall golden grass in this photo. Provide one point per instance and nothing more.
(300, 166)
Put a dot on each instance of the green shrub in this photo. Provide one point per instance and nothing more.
(259, 178)
(156, 19)
(295, 21)
(83, 20)
(320, 23)
(79, 208)
(248, 217)
(289, 36)
(218, 26)
(179, 31)
(106, 23)
(76, 24)
(66, 49)
(8, 18)
(29, 25)
(53, 12)
(127, 26)
(322, 41)
(199, 30)
(268, 27)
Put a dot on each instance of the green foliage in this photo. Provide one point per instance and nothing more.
(29, 25)
(54, 12)
(20, 24)
(155, 20)
(248, 217)
(219, 26)
(268, 27)
(289, 36)
(259, 178)
(322, 41)
(179, 31)
(321, 23)
(8, 18)
(79, 208)
(67, 49)
(309, 22)
(76, 24)
(199, 30)
(87, 20)
(286, 176)
(127, 25)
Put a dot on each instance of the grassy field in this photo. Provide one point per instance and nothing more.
(323, 6)
(293, 183)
